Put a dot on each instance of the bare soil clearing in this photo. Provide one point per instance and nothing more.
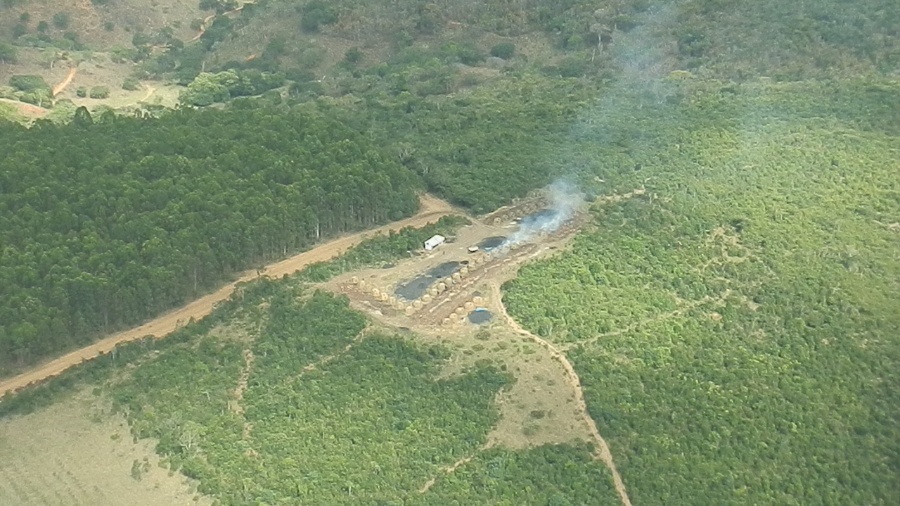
(27, 110)
(431, 210)
(546, 404)
(603, 452)
(75, 453)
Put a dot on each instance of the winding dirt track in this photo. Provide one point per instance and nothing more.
(65, 82)
(431, 210)
(603, 452)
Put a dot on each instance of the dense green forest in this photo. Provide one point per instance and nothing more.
(553, 475)
(464, 146)
(105, 223)
(736, 329)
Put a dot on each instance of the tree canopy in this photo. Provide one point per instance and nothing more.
(106, 222)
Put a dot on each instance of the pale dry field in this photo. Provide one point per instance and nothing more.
(76, 453)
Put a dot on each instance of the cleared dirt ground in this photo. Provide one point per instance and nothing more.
(76, 453)
(541, 407)
(545, 405)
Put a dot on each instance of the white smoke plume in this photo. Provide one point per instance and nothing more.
(564, 199)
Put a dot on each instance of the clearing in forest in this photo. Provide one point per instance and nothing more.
(436, 295)
(76, 452)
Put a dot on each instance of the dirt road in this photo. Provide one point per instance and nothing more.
(603, 452)
(431, 210)
(65, 82)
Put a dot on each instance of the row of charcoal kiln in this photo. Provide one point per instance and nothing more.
(410, 308)
(459, 314)
(377, 293)
(535, 201)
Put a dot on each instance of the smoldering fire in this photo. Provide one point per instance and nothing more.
(564, 199)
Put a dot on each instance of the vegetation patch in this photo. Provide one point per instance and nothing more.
(553, 474)
(377, 408)
(133, 217)
(751, 299)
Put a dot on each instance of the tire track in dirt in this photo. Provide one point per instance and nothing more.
(65, 82)
(431, 210)
(603, 453)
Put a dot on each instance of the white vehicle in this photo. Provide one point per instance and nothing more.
(434, 242)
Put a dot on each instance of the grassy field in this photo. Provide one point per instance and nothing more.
(77, 452)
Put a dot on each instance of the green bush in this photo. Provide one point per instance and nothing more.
(81, 91)
(572, 66)
(61, 20)
(19, 30)
(311, 57)
(99, 92)
(38, 97)
(43, 26)
(504, 50)
(131, 84)
(316, 14)
(8, 53)
(466, 53)
(353, 56)
(28, 83)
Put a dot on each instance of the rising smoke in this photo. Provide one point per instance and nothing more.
(564, 198)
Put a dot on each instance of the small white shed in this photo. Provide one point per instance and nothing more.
(434, 242)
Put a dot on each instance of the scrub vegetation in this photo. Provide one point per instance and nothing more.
(740, 324)
(733, 324)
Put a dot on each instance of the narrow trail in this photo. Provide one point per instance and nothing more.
(430, 483)
(150, 91)
(206, 21)
(450, 469)
(603, 453)
(249, 358)
(431, 210)
(326, 359)
(65, 82)
(237, 406)
(688, 305)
